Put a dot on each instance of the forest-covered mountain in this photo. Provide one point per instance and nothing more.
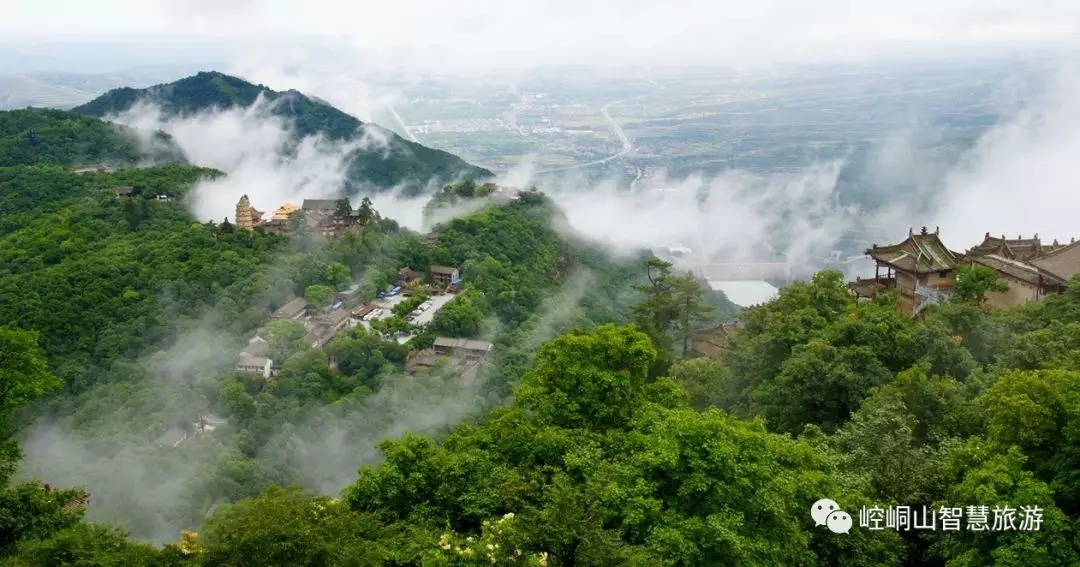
(56, 137)
(589, 437)
(401, 162)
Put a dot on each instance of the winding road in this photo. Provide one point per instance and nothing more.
(627, 147)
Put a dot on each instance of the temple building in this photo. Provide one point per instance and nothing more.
(246, 215)
(711, 342)
(443, 276)
(1063, 262)
(1015, 260)
(1015, 249)
(1026, 282)
(320, 216)
(921, 270)
(283, 212)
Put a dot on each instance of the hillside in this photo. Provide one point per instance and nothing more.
(587, 437)
(140, 310)
(56, 137)
(402, 163)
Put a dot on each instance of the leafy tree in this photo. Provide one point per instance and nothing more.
(285, 338)
(708, 382)
(390, 327)
(973, 282)
(86, 544)
(366, 212)
(318, 296)
(592, 381)
(290, 527)
(343, 208)
(692, 312)
(459, 317)
(24, 372)
(338, 275)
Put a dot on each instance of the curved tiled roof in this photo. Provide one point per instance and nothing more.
(922, 253)
(1026, 249)
(1063, 262)
(1018, 269)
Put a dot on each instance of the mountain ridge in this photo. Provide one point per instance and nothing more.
(401, 163)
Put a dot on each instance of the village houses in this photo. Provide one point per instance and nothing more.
(443, 276)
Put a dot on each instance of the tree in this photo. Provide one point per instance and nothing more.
(708, 382)
(974, 282)
(24, 377)
(459, 317)
(24, 373)
(318, 296)
(657, 312)
(593, 381)
(285, 338)
(338, 275)
(367, 212)
(343, 208)
(691, 310)
(86, 544)
(131, 214)
(290, 527)
(390, 327)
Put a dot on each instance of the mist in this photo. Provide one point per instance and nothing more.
(112, 452)
(489, 36)
(257, 152)
(1020, 179)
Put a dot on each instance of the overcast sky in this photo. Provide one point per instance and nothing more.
(481, 35)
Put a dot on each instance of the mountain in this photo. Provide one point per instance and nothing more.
(56, 137)
(402, 162)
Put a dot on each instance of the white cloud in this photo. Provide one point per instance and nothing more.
(246, 144)
(488, 34)
(1020, 179)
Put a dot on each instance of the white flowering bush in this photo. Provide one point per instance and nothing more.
(496, 545)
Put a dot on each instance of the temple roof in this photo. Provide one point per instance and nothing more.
(1063, 262)
(1018, 269)
(921, 253)
(319, 204)
(1018, 248)
(283, 212)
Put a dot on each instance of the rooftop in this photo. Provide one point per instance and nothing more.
(921, 253)
(1063, 262)
(1018, 269)
(717, 335)
(1018, 248)
(445, 270)
(292, 308)
(246, 359)
(319, 204)
(363, 310)
(467, 344)
(333, 318)
(257, 346)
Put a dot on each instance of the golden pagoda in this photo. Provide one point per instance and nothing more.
(244, 214)
(284, 211)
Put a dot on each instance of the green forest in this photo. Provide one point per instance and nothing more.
(591, 436)
(397, 162)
